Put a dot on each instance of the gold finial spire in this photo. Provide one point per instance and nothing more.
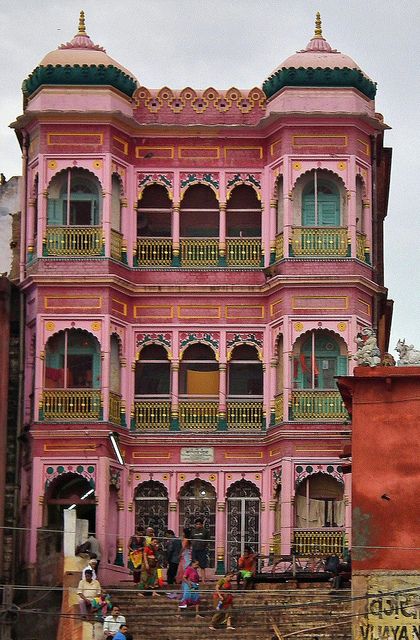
(318, 26)
(82, 26)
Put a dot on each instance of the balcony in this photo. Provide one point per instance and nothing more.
(116, 245)
(198, 415)
(73, 241)
(319, 241)
(243, 252)
(154, 252)
(115, 408)
(151, 415)
(72, 404)
(278, 408)
(319, 542)
(279, 246)
(362, 248)
(199, 252)
(317, 404)
(245, 415)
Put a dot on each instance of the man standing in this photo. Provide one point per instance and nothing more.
(94, 550)
(121, 633)
(173, 555)
(113, 622)
(200, 538)
(87, 590)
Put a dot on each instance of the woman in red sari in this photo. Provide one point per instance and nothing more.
(135, 553)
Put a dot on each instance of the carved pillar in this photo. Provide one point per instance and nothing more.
(222, 396)
(222, 234)
(31, 229)
(273, 390)
(287, 506)
(176, 260)
(272, 227)
(37, 505)
(220, 537)
(352, 208)
(107, 206)
(347, 507)
(287, 209)
(175, 396)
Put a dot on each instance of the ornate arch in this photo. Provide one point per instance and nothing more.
(151, 489)
(78, 167)
(86, 471)
(148, 179)
(146, 339)
(206, 178)
(234, 340)
(243, 489)
(188, 489)
(188, 339)
(276, 340)
(121, 182)
(119, 342)
(233, 180)
(331, 174)
(64, 329)
(308, 332)
(302, 471)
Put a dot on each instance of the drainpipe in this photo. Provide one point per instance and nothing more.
(375, 227)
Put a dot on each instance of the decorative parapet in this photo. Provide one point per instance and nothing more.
(303, 471)
(235, 339)
(251, 179)
(164, 179)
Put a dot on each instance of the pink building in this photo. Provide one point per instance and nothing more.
(196, 266)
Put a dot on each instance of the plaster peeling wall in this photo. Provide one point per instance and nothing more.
(9, 207)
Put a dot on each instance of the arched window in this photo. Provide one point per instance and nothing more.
(199, 213)
(116, 203)
(321, 202)
(151, 500)
(197, 499)
(243, 213)
(245, 372)
(115, 366)
(74, 199)
(319, 502)
(66, 490)
(318, 359)
(243, 519)
(72, 361)
(154, 212)
(152, 375)
(199, 372)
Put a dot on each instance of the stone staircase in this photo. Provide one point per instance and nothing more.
(315, 613)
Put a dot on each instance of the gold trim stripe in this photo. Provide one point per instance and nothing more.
(50, 136)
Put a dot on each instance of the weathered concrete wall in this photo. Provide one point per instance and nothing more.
(10, 204)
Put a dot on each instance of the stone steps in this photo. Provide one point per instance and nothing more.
(293, 611)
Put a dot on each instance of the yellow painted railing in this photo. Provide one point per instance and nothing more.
(203, 252)
(116, 244)
(73, 241)
(72, 404)
(244, 415)
(277, 543)
(362, 249)
(278, 407)
(319, 241)
(114, 408)
(199, 416)
(317, 404)
(152, 415)
(243, 252)
(318, 543)
(155, 252)
(279, 246)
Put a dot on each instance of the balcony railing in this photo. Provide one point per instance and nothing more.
(317, 404)
(279, 246)
(278, 408)
(149, 414)
(115, 405)
(319, 241)
(73, 241)
(362, 249)
(116, 244)
(199, 252)
(198, 415)
(154, 252)
(72, 404)
(318, 542)
(243, 252)
(244, 415)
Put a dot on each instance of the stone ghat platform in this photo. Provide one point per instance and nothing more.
(310, 613)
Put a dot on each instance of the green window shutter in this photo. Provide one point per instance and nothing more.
(328, 210)
(342, 362)
(308, 211)
(96, 372)
(55, 213)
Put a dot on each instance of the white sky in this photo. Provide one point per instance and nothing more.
(226, 43)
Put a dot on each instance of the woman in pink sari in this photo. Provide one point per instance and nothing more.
(186, 556)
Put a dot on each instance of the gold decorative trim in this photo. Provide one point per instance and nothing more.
(217, 308)
(244, 306)
(344, 298)
(154, 306)
(140, 151)
(151, 455)
(319, 136)
(67, 134)
(81, 297)
(248, 148)
(50, 326)
(202, 157)
(124, 143)
(244, 456)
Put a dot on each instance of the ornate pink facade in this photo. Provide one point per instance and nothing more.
(196, 266)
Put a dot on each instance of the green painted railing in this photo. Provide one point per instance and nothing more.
(199, 252)
(317, 404)
(243, 252)
(73, 241)
(244, 415)
(198, 415)
(155, 252)
(319, 241)
(152, 414)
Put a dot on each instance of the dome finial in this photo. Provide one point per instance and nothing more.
(82, 26)
(318, 26)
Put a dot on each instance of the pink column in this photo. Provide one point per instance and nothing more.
(129, 215)
(106, 366)
(42, 205)
(273, 390)
(101, 494)
(273, 229)
(222, 395)
(267, 516)
(175, 234)
(222, 233)
(287, 506)
(287, 367)
(107, 204)
(122, 534)
(347, 507)
(173, 504)
(37, 502)
(221, 533)
(351, 205)
(287, 206)
(31, 228)
(39, 369)
(175, 395)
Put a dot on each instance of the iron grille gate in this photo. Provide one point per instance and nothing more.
(191, 508)
(243, 527)
(152, 512)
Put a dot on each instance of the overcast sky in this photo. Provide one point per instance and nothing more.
(226, 43)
